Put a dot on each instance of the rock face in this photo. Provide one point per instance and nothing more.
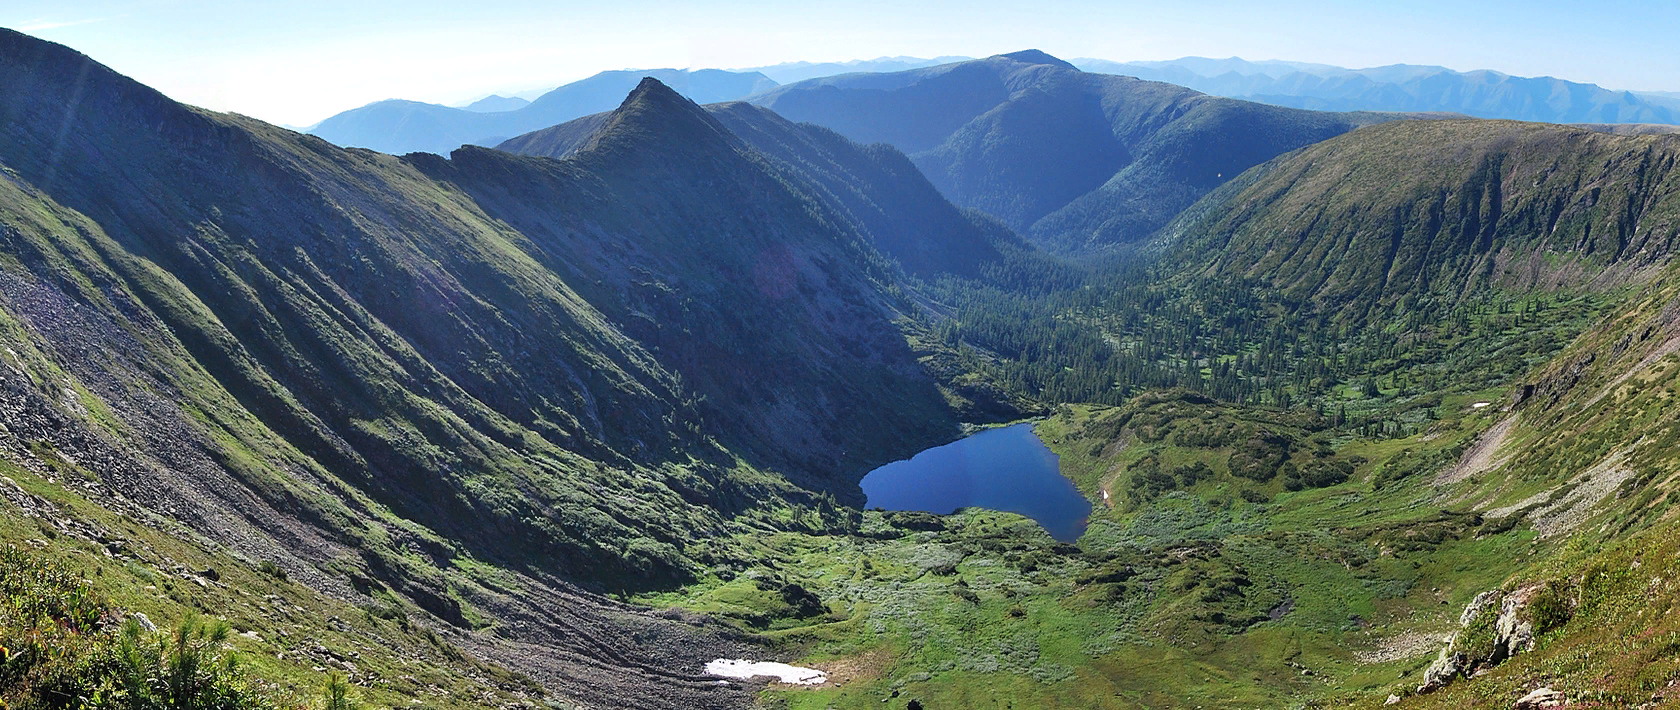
(1470, 649)
(1445, 668)
(1513, 631)
(1478, 605)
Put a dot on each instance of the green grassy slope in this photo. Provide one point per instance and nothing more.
(462, 404)
(1231, 585)
(1441, 208)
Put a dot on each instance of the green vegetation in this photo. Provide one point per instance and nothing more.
(63, 646)
(77, 579)
(1185, 592)
(502, 430)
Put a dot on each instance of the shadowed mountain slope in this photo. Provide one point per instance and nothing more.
(874, 188)
(481, 385)
(396, 126)
(1071, 160)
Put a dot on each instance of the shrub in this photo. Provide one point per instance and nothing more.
(335, 695)
(271, 569)
(1551, 606)
(65, 648)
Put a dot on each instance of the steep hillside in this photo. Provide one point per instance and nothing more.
(475, 388)
(1440, 208)
(1071, 160)
(874, 188)
(1582, 461)
(1401, 87)
(396, 126)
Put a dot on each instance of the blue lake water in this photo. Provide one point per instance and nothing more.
(1005, 469)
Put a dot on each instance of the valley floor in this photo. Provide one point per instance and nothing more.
(1228, 592)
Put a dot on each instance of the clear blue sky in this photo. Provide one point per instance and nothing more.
(297, 62)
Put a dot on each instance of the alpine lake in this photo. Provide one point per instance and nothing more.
(1006, 469)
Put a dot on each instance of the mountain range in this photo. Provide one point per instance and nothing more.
(1442, 209)
(397, 127)
(1371, 409)
(497, 104)
(1402, 87)
(401, 364)
(1072, 160)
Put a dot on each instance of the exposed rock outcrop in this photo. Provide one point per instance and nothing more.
(1483, 642)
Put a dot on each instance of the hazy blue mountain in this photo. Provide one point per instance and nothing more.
(789, 72)
(396, 126)
(1203, 66)
(1071, 160)
(1403, 87)
(494, 104)
(1666, 99)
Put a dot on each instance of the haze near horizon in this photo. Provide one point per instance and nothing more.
(300, 63)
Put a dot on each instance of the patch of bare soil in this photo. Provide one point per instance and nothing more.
(846, 671)
(1480, 457)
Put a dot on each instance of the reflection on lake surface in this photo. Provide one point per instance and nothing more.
(1005, 469)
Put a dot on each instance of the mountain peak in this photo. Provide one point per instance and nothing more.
(655, 118)
(654, 91)
(1034, 56)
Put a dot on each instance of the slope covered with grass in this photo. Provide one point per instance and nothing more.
(488, 389)
(1440, 209)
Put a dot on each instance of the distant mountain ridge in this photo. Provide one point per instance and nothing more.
(495, 103)
(875, 187)
(790, 72)
(1071, 160)
(1403, 87)
(397, 126)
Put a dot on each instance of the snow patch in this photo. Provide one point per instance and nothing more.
(1479, 405)
(738, 668)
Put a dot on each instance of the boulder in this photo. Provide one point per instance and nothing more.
(145, 623)
(1540, 698)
